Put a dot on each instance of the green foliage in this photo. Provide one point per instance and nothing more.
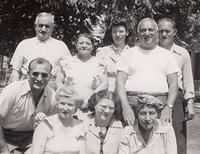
(74, 16)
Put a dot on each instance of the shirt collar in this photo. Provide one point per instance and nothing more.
(174, 49)
(37, 41)
(116, 49)
(26, 88)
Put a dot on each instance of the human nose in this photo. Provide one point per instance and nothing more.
(43, 28)
(107, 110)
(39, 78)
(148, 117)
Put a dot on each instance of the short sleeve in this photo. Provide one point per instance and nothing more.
(7, 100)
(123, 63)
(124, 145)
(172, 66)
(18, 57)
(170, 141)
(65, 50)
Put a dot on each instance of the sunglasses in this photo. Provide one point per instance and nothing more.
(36, 74)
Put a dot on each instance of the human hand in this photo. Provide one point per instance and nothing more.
(190, 111)
(166, 115)
(40, 116)
(128, 115)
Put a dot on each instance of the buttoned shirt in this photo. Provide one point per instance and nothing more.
(185, 76)
(147, 70)
(17, 107)
(110, 56)
(29, 49)
(162, 141)
(111, 142)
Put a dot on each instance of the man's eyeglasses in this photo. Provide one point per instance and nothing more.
(36, 74)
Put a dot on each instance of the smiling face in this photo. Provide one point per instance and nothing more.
(166, 32)
(44, 28)
(147, 117)
(39, 75)
(104, 110)
(66, 107)
(147, 34)
(84, 46)
(119, 34)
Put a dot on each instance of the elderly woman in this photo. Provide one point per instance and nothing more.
(104, 131)
(148, 136)
(60, 133)
(110, 54)
(84, 72)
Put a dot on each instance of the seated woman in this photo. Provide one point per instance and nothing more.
(60, 133)
(104, 131)
(148, 136)
(83, 71)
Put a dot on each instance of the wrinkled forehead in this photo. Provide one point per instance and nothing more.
(147, 24)
(45, 20)
(44, 67)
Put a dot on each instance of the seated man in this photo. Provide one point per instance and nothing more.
(24, 104)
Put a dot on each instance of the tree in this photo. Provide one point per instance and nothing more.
(73, 16)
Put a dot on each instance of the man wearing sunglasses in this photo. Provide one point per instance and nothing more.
(24, 104)
(43, 45)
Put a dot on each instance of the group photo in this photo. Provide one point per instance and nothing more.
(100, 77)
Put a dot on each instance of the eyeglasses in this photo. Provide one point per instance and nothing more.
(36, 74)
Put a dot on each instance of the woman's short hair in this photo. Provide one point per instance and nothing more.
(103, 94)
(149, 101)
(70, 93)
(86, 35)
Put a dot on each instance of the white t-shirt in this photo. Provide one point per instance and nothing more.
(27, 50)
(147, 69)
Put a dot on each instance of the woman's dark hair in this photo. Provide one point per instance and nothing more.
(104, 94)
(116, 22)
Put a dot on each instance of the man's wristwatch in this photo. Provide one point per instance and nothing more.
(190, 101)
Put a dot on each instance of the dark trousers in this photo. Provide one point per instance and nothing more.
(179, 123)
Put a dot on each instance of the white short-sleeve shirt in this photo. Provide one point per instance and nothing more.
(147, 69)
(52, 50)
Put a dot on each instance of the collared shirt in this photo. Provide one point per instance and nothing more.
(147, 69)
(110, 55)
(185, 76)
(29, 49)
(111, 142)
(162, 141)
(17, 107)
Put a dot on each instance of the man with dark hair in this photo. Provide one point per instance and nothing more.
(23, 104)
(43, 45)
(185, 96)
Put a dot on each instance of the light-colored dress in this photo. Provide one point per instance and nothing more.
(110, 55)
(162, 141)
(84, 77)
(60, 143)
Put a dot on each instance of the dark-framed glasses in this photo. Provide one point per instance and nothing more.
(43, 75)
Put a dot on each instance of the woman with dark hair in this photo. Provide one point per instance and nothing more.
(84, 72)
(148, 136)
(110, 54)
(103, 133)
